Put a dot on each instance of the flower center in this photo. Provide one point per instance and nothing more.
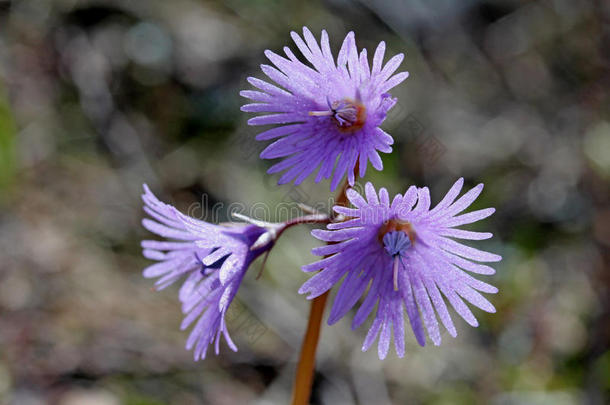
(396, 243)
(348, 115)
(397, 238)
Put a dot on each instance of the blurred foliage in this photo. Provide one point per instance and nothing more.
(7, 147)
(102, 96)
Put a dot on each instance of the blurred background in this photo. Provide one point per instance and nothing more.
(97, 97)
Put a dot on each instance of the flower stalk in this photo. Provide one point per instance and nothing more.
(307, 359)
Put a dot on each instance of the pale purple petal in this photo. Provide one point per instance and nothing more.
(366, 246)
(315, 95)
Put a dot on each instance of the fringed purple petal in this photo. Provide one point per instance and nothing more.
(430, 263)
(213, 260)
(314, 94)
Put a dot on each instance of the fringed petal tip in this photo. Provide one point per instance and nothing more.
(433, 267)
(212, 260)
(327, 96)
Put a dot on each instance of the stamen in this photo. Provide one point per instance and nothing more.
(347, 114)
(321, 113)
(262, 268)
(395, 270)
(396, 244)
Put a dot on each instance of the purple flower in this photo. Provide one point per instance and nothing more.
(213, 258)
(329, 112)
(404, 252)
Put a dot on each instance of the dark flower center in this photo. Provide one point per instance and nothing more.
(348, 115)
(396, 225)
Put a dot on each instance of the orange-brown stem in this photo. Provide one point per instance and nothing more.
(307, 359)
(305, 369)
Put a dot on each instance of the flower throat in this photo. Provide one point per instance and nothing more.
(348, 115)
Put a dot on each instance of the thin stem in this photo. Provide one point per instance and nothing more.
(308, 219)
(305, 369)
(305, 219)
(316, 218)
(307, 359)
(275, 230)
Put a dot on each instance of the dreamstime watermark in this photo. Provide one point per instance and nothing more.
(280, 212)
(403, 125)
(406, 126)
(242, 323)
(429, 147)
(245, 144)
(289, 208)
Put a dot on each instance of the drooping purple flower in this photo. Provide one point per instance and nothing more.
(328, 111)
(405, 254)
(212, 258)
